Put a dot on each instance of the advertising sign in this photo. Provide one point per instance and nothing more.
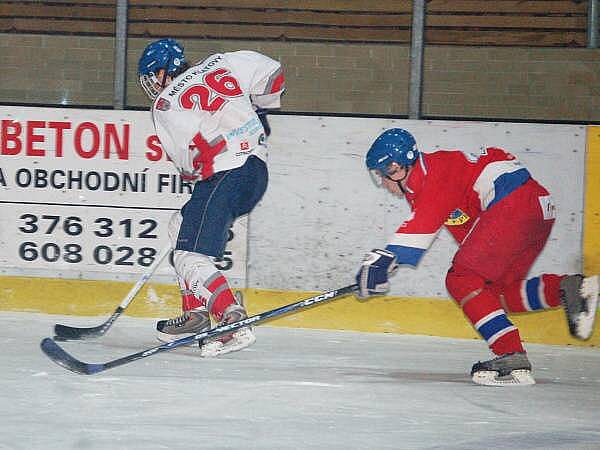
(89, 194)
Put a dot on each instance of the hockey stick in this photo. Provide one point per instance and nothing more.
(65, 332)
(57, 354)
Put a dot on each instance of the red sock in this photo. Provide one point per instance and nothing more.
(489, 319)
(534, 294)
(221, 297)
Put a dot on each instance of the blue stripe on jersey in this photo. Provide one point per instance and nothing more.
(412, 240)
(507, 183)
(494, 325)
(406, 255)
(533, 297)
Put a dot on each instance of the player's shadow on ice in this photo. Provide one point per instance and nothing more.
(405, 376)
(438, 377)
(422, 377)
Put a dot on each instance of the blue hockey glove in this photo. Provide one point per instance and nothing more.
(372, 278)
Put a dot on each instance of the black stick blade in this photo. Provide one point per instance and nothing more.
(57, 354)
(67, 333)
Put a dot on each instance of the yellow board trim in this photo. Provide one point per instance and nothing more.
(401, 315)
(591, 230)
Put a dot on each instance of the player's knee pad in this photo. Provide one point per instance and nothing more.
(463, 283)
(196, 269)
(204, 280)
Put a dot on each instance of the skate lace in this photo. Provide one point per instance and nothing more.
(491, 362)
(178, 320)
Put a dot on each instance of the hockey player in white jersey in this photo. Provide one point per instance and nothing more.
(209, 119)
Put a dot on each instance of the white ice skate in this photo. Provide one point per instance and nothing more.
(233, 342)
(239, 340)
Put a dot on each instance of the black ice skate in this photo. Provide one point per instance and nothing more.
(512, 369)
(188, 324)
(579, 297)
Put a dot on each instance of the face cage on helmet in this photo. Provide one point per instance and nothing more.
(151, 85)
(377, 175)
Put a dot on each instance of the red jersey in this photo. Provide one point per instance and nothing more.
(451, 188)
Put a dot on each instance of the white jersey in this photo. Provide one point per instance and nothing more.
(205, 118)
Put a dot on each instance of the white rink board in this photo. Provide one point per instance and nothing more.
(86, 194)
(322, 212)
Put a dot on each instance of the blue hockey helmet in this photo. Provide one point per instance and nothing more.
(164, 54)
(393, 145)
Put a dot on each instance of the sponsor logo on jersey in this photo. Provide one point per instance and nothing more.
(245, 148)
(548, 207)
(457, 217)
(182, 82)
(163, 104)
(210, 63)
(249, 128)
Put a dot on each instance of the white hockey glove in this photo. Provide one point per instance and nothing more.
(372, 278)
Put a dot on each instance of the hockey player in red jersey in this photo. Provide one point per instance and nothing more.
(501, 217)
(209, 120)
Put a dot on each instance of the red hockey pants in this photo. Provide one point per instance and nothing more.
(496, 255)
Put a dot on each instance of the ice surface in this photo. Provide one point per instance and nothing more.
(294, 389)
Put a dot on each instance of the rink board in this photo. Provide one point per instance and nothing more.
(591, 234)
(302, 238)
(402, 315)
(87, 194)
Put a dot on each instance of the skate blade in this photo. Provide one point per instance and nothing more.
(241, 339)
(585, 322)
(516, 378)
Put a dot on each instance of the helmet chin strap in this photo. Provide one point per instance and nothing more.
(399, 182)
(400, 186)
